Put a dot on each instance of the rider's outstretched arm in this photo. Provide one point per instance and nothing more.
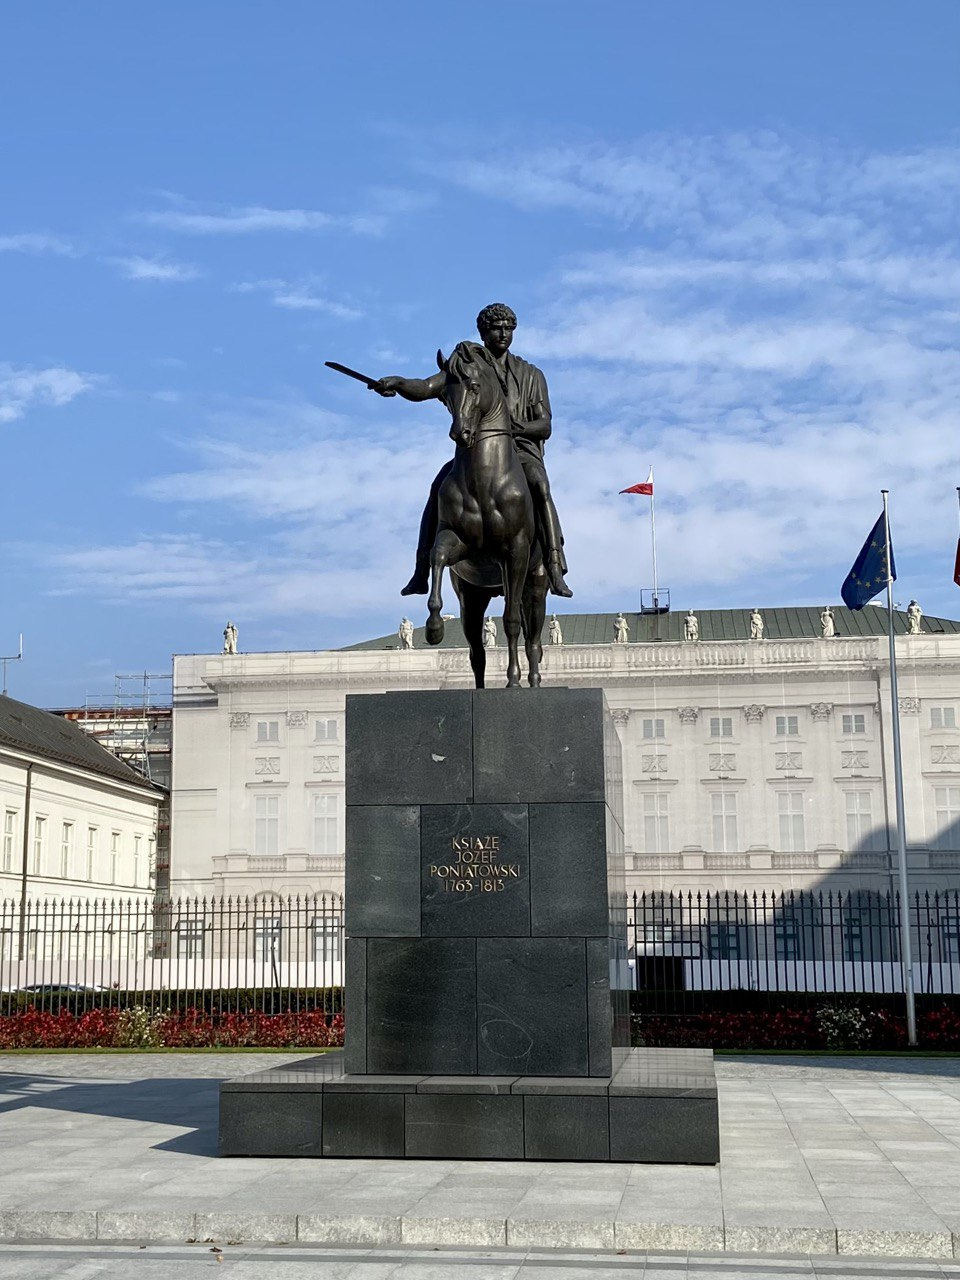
(410, 388)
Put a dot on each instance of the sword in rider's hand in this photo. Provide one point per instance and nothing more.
(371, 383)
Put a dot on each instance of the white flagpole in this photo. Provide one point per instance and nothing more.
(653, 539)
(906, 948)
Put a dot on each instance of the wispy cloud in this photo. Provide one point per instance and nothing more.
(299, 296)
(249, 219)
(161, 269)
(773, 324)
(22, 389)
(772, 321)
(35, 242)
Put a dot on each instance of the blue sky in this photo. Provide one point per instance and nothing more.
(730, 232)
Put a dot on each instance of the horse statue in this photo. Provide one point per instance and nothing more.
(486, 535)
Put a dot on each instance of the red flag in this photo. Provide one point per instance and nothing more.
(647, 488)
(956, 567)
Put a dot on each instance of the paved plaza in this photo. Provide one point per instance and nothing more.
(821, 1157)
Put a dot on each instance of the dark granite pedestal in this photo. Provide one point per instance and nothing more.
(659, 1107)
(486, 976)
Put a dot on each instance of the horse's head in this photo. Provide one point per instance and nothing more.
(468, 392)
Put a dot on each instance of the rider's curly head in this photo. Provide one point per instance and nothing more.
(496, 312)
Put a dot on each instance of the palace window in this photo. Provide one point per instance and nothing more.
(653, 728)
(325, 731)
(790, 810)
(852, 936)
(943, 717)
(946, 802)
(189, 939)
(267, 938)
(114, 856)
(656, 837)
(724, 811)
(721, 727)
(724, 938)
(854, 723)
(268, 730)
(787, 726)
(326, 936)
(66, 848)
(325, 825)
(266, 835)
(861, 833)
(39, 843)
(137, 853)
(9, 835)
(786, 937)
(92, 835)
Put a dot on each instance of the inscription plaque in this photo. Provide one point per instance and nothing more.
(474, 871)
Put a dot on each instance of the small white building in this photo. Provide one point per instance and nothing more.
(749, 764)
(77, 822)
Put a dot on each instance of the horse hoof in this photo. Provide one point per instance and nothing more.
(534, 680)
(434, 629)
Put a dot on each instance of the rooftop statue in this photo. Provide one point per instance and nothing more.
(914, 615)
(405, 633)
(229, 638)
(490, 518)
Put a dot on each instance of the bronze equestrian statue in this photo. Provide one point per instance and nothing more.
(490, 517)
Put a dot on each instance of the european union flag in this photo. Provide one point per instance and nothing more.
(868, 577)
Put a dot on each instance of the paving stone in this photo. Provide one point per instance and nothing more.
(47, 1224)
(561, 1233)
(895, 1244)
(146, 1226)
(477, 1233)
(348, 1229)
(262, 1227)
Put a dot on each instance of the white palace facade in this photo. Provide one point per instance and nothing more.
(750, 765)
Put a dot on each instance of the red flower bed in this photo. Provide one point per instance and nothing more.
(794, 1029)
(104, 1028)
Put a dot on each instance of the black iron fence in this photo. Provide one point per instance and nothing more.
(686, 949)
(231, 953)
(685, 953)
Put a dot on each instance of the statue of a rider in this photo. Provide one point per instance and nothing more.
(525, 391)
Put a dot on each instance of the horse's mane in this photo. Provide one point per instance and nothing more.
(464, 354)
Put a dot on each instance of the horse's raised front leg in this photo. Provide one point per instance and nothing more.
(514, 574)
(447, 550)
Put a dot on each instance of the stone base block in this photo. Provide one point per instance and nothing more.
(659, 1106)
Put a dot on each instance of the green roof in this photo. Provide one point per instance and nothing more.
(791, 623)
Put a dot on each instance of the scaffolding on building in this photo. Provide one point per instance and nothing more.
(135, 723)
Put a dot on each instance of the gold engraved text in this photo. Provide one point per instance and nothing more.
(476, 865)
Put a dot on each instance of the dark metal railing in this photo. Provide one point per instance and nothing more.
(686, 949)
(222, 954)
(689, 952)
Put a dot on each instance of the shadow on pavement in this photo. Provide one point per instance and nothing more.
(183, 1103)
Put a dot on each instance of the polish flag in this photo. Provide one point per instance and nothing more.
(646, 487)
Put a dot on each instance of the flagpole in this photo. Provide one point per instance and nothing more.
(906, 949)
(653, 539)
